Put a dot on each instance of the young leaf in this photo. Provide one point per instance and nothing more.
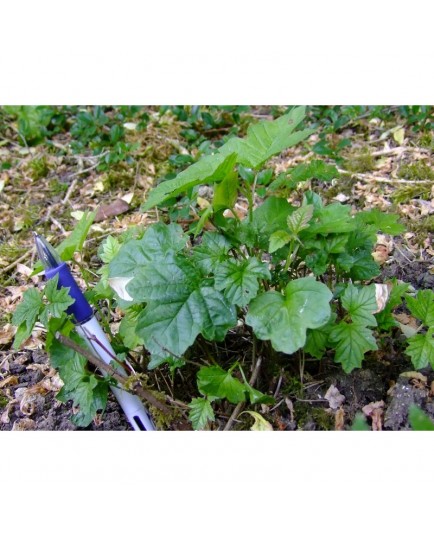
(90, 396)
(267, 138)
(333, 218)
(317, 339)
(200, 413)
(382, 222)
(127, 330)
(25, 315)
(419, 420)
(159, 240)
(110, 249)
(360, 266)
(239, 279)
(75, 240)
(285, 319)
(269, 217)
(299, 219)
(169, 328)
(277, 240)
(361, 304)
(256, 397)
(316, 169)
(71, 365)
(212, 251)
(215, 383)
(174, 278)
(225, 193)
(421, 349)
(86, 392)
(352, 342)
(59, 299)
(422, 306)
(208, 169)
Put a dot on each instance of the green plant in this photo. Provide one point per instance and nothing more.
(421, 345)
(91, 130)
(39, 168)
(35, 123)
(293, 280)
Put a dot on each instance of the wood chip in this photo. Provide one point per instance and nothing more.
(104, 212)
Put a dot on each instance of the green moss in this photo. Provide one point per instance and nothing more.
(3, 401)
(404, 194)
(421, 228)
(323, 419)
(39, 168)
(305, 413)
(57, 187)
(426, 140)
(118, 178)
(344, 185)
(360, 163)
(11, 250)
(418, 171)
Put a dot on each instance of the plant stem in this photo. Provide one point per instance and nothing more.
(137, 388)
(302, 360)
(239, 407)
(292, 253)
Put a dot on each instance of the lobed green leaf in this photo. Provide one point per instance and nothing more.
(200, 413)
(352, 342)
(285, 319)
(239, 279)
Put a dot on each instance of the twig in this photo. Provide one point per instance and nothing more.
(400, 150)
(137, 388)
(76, 174)
(69, 192)
(239, 407)
(58, 224)
(372, 178)
(279, 383)
(13, 264)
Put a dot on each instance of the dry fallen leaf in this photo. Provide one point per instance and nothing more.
(334, 397)
(382, 293)
(104, 212)
(7, 333)
(339, 419)
(407, 324)
(260, 424)
(10, 380)
(380, 254)
(375, 411)
(413, 375)
(22, 425)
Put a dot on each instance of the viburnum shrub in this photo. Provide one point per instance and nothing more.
(296, 276)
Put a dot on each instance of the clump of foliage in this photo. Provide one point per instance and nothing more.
(295, 279)
(360, 163)
(39, 168)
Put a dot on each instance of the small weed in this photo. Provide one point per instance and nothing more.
(360, 163)
(406, 193)
(419, 171)
(39, 168)
(57, 187)
(118, 178)
(426, 140)
(11, 250)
